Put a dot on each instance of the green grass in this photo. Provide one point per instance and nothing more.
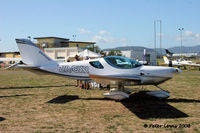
(45, 103)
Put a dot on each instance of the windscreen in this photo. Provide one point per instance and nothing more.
(122, 62)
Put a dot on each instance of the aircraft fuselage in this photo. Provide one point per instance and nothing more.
(83, 69)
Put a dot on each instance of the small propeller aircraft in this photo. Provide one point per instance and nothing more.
(180, 62)
(110, 70)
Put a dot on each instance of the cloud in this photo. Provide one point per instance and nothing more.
(188, 33)
(105, 39)
(83, 31)
(111, 41)
(189, 37)
(102, 39)
(195, 37)
(103, 32)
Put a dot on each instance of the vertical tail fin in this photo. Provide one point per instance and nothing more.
(166, 60)
(168, 53)
(31, 54)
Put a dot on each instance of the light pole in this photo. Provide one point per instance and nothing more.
(155, 40)
(160, 39)
(29, 37)
(181, 29)
(160, 23)
(74, 37)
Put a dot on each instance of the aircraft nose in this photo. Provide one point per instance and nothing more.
(177, 70)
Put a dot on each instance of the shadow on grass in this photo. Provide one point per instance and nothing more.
(2, 119)
(16, 95)
(147, 107)
(67, 98)
(63, 99)
(140, 104)
(182, 100)
(26, 87)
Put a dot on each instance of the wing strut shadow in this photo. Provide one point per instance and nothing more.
(2, 119)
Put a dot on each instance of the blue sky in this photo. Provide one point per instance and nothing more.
(110, 23)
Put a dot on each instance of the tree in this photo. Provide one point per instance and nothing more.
(103, 53)
(115, 52)
(95, 49)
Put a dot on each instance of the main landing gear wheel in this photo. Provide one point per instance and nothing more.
(118, 94)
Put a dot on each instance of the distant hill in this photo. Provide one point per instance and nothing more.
(175, 50)
(191, 49)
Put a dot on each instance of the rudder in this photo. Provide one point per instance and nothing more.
(31, 54)
(166, 60)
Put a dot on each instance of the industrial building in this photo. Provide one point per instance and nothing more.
(62, 53)
(61, 48)
(15, 54)
(10, 54)
(55, 47)
(57, 42)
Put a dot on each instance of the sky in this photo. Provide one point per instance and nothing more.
(109, 23)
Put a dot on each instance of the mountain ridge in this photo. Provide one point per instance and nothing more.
(176, 49)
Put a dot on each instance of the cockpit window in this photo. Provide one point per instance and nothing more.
(122, 62)
(96, 64)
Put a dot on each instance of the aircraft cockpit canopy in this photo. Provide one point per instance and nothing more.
(121, 62)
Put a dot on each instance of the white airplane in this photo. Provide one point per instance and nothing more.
(180, 62)
(174, 62)
(114, 70)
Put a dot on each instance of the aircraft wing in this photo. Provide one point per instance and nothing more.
(10, 59)
(166, 64)
(116, 79)
(192, 64)
(196, 65)
(176, 64)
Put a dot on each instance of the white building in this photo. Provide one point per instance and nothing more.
(62, 53)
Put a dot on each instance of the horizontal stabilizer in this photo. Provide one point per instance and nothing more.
(33, 69)
(10, 59)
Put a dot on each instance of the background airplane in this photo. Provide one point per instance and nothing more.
(172, 62)
(180, 63)
(169, 54)
(113, 70)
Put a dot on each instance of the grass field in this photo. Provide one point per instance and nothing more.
(44, 103)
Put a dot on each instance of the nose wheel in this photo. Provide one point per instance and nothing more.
(162, 94)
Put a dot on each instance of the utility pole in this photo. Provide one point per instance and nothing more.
(181, 29)
(155, 39)
(160, 39)
(74, 37)
(29, 37)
